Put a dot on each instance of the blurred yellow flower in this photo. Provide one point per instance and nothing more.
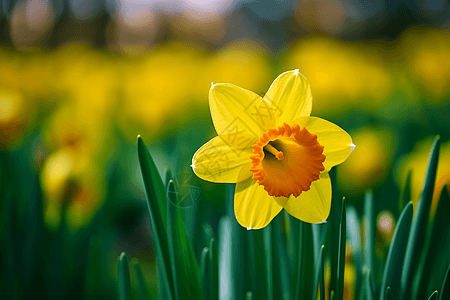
(13, 114)
(370, 164)
(427, 54)
(344, 72)
(417, 161)
(74, 181)
(277, 154)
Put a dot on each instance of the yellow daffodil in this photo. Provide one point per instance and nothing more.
(277, 155)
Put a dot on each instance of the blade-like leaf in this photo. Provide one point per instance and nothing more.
(214, 274)
(157, 207)
(341, 252)
(184, 264)
(433, 296)
(389, 293)
(369, 233)
(445, 290)
(437, 249)
(306, 259)
(394, 260)
(333, 227)
(419, 225)
(143, 293)
(249, 296)
(267, 237)
(256, 264)
(205, 266)
(123, 271)
(322, 273)
(370, 295)
(280, 262)
(227, 283)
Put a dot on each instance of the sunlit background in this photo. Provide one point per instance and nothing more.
(79, 80)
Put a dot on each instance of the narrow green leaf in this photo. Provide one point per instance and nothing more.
(142, 288)
(332, 295)
(267, 237)
(205, 266)
(93, 268)
(436, 256)
(434, 296)
(341, 252)
(124, 284)
(256, 264)
(419, 225)
(354, 239)
(305, 288)
(293, 243)
(227, 284)
(389, 293)
(369, 233)
(370, 295)
(445, 290)
(249, 296)
(322, 273)
(394, 261)
(185, 270)
(333, 227)
(214, 277)
(157, 207)
(280, 260)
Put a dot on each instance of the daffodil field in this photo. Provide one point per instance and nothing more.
(321, 171)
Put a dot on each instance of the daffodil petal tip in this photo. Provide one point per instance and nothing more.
(296, 72)
(193, 166)
(353, 146)
(212, 84)
(248, 228)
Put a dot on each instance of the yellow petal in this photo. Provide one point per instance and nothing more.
(312, 206)
(337, 143)
(235, 110)
(253, 207)
(291, 95)
(222, 158)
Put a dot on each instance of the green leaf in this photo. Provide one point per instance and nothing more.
(370, 295)
(433, 296)
(394, 261)
(341, 252)
(280, 260)
(256, 264)
(369, 233)
(205, 266)
(185, 270)
(437, 248)
(157, 207)
(226, 247)
(306, 266)
(249, 296)
(93, 268)
(322, 273)
(333, 227)
(123, 272)
(214, 274)
(445, 290)
(389, 293)
(419, 225)
(267, 238)
(143, 293)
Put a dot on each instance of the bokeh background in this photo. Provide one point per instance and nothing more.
(79, 80)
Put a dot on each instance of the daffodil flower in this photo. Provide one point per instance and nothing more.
(276, 153)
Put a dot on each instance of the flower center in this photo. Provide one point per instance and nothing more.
(287, 160)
